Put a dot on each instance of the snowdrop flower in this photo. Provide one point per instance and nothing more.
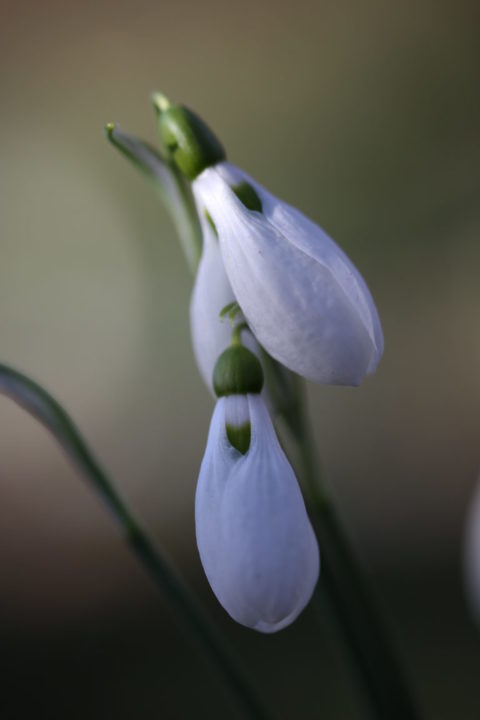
(303, 299)
(255, 540)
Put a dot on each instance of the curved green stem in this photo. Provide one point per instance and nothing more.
(33, 398)
(346, 594)
(237, 333)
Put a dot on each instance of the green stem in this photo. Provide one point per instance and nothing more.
(33, 398)
(237, 333)
(345, 591)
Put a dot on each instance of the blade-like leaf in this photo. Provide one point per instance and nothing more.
(173, 189)
(39, 403)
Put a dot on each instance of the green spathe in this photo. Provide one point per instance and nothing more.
(190, 142)
(237, 372)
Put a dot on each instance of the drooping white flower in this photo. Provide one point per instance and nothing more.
(255, 540)
(303, 299)
(212, 292)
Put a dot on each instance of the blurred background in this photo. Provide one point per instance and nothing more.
(364, 115)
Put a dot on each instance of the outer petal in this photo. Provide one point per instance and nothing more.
(303, 298)
(255, 540)
(219, 459)
(472, 555)
(212, 291)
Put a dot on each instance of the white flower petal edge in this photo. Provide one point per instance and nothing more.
(211, 334)
(211, 293)
(471, 555)
(255, 540)
(304, 300)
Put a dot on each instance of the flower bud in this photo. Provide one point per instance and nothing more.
(190, 142)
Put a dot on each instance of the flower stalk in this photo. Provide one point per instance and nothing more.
(344, 590)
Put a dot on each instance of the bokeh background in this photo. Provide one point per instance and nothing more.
(364, 115)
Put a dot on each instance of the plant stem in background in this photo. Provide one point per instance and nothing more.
(35, 400)
(345, 591)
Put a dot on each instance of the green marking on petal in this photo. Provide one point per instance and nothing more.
(211, 223)
(239, 436)
(248, 196)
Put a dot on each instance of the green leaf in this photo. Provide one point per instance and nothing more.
(174, 191)
(39, 403)
(44, 408)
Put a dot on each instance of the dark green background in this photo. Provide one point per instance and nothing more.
(364, 115)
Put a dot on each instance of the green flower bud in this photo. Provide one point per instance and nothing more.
(237, 372)
(190, 142)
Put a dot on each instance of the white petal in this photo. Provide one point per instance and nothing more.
(255, 540)
(217, 463)
(237, 411)
(211, 334)
(212, 291)
(304, 300)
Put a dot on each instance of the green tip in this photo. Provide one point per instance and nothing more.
(160, 102)
(191, 144)
(240, 436)
(109, 128)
